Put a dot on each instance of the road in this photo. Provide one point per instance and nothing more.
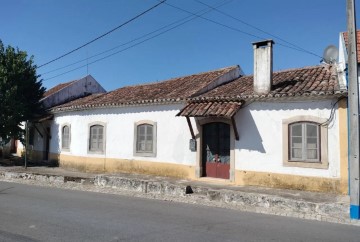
(31, 213)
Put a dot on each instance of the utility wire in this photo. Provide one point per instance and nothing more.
(184, 21)
(101, 36)
(138, 38)
(234, 29)
(254, 27)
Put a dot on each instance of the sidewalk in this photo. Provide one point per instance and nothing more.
(300, 204)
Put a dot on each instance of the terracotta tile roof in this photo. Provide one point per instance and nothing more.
(211, 109)
(307, 81)
(57, 88)
(172, 90)
(345, 34)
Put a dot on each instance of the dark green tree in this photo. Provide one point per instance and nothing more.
(20, 92)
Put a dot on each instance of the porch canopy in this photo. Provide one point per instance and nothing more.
(211, 108)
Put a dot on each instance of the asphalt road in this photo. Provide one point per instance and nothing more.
(31, 213)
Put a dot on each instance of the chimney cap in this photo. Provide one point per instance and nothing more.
(263, 43)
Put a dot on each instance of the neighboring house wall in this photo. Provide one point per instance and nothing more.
(79, 88)
(173, 157)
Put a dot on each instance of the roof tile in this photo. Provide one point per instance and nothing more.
(315, 79)
(345, 34)
(175, 89)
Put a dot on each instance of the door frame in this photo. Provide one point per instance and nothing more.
(199, 123)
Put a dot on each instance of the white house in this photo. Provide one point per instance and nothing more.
(286, 129)
(39, 131)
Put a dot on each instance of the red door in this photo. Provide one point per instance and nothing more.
(216, 150)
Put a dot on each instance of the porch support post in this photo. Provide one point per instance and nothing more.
(190, 127)
(235, 128)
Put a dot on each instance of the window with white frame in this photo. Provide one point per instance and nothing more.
(65, 137)
(96, 139)
(305, 142)
(145, 138)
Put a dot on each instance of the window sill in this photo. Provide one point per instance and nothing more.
(304, 164)
(95, 152)
(145, 154)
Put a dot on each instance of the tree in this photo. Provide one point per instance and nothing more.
(20, 92)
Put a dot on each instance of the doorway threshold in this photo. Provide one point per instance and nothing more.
(216, 180)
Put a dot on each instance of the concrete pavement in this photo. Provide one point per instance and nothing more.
(299, 204)
(35, 213)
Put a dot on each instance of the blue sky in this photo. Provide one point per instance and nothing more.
(47, 29)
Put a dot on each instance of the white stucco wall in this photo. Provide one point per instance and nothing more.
(260, 130)
(259, 124)
(172, 133)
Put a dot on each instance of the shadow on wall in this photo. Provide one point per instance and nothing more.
(250, 138)
(125, 110)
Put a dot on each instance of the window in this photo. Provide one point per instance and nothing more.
(145, 138)
(96, 140)
(305, 142)
(65, 137)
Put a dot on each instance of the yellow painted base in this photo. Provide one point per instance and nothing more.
(89, 164)
(242, 178)
(304, 183)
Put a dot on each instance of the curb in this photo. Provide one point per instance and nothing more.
(182, 191)
(246, 201)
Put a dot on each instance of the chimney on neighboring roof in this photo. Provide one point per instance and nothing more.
(263, 66)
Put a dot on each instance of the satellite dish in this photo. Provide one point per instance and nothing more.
(330, 54)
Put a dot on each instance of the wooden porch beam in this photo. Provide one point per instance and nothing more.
(190, 127)
(235, 128)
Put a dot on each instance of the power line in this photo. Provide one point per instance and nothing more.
(138, 38)
(182, 22)
(101, 36)
(254, 27)
(235, 29)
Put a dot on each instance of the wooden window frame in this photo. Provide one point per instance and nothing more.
(154, 145)
(323, 162)
(303, 142)
(90, 151)
(62, 137)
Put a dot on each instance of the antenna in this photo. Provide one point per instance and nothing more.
(330, 54)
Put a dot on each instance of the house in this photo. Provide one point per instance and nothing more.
(39, 130)
(285, 129)
(343, 54)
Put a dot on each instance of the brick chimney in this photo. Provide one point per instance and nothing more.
(263, 66)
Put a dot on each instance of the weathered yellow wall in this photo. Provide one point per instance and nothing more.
(343, 135)
(90, 164)
(274, 180)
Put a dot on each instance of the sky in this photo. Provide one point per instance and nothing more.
(47, 29)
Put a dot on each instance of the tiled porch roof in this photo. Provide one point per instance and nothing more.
(210, 109)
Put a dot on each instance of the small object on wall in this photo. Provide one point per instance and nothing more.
(192, 144)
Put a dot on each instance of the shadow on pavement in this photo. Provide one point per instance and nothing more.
(14, 160)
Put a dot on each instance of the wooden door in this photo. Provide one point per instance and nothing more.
(216, 150)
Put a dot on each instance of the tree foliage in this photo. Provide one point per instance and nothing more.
(20, 91)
